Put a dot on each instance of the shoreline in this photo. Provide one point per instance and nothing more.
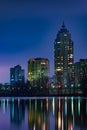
(52, 95)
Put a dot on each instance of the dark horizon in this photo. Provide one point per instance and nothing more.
(28, 30)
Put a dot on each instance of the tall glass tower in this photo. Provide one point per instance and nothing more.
(63, 56)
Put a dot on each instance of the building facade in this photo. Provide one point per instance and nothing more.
(78, 73)
(38, 70)
(63, 56)
(17, 75)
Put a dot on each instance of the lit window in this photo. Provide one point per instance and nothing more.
(65, 35)
(70, 63)
(67, 47)
(12, 76)
(59, 69)
(43, 63)
(29, 73)
(12, 79)
(58, 42)
(71, 55)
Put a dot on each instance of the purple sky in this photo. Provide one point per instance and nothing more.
(28, 29)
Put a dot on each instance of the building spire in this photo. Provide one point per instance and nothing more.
(63, 25)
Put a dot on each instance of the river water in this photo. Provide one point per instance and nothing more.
(54, 113)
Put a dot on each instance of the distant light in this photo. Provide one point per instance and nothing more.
(78, 85)
(65, 85)
(72, 85)
(52, 86)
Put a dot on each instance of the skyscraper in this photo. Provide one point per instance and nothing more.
(38, 69)
(16, 75)
(63, 55)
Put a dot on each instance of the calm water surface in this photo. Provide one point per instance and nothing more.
(43, 113)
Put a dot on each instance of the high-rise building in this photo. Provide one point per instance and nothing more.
(16, 75)
(38, 70)
(78, 73)
(63, 55)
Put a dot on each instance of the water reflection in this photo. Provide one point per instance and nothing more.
(44, 114)
(17, 111)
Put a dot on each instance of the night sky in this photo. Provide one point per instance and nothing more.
(28, 29)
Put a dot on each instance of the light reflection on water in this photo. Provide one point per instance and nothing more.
(60, 113)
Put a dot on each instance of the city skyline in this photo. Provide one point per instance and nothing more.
(28, 30)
